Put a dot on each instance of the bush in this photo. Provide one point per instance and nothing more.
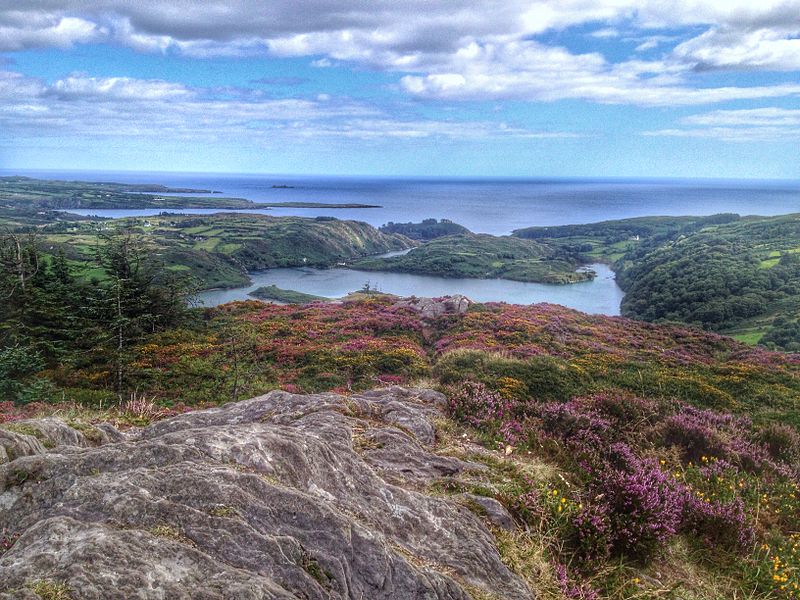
(541, 377)
(782, 442)
(634, 509)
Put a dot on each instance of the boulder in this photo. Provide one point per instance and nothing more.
(431, 308)
(282, 496)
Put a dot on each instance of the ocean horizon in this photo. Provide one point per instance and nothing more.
(483, 204)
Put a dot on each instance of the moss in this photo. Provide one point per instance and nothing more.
(27, 429)
(223, 511)
(363, 442)
(168, 532)
(90, 432)
(50, 590)
(18, 476)
(311, 566)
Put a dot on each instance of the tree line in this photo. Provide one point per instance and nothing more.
(54, 318)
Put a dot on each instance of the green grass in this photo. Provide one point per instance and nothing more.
(208, 245)
(749, 337)
(769, 263)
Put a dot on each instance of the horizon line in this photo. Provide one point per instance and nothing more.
(9, 171)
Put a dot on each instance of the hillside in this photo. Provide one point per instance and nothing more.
(738, 275)
(39, 194)
(735, 276)
(632, 458)
(427, 229)
(218, 250)
(484, 256)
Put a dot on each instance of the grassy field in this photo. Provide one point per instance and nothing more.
(219, 250)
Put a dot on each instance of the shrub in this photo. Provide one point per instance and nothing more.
(633, 508)
(539, 377)
(719, 524)
(782, 442)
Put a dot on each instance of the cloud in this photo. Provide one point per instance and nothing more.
(531, 71)
(760, 49)
(452, 49)
(157, 110)
(287, 81)
(744, 125)
(81, 86)
(605, 33)
(731, 134)
(753, 116)
(46, 31)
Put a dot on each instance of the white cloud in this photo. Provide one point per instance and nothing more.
(605, 33)
(744, 125)
(531, 71)
(766, 49)
(157, 110)
(81, 86)
(731, 134)
(454, 49)
(754, 116)
(46, 31)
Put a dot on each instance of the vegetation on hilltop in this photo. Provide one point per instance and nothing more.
(25, 192)
(484, 256)
(719, 277)
(739, 275)
(610, 240)
(428, 229)
(218, 250)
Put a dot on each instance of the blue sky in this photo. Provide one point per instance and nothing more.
(696, 88)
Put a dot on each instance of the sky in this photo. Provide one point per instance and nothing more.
(536, 88)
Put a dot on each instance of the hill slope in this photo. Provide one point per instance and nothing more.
(632, 457)
(726, 273)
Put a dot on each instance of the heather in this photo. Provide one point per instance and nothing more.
(635, 458)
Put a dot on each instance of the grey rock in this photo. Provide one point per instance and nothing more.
(495, 512)
(281, 496)
(14, 445)
(430, 308)
(35, 436)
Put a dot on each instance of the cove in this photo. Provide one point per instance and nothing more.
(599, 296)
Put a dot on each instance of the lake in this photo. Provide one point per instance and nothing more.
(599, 296)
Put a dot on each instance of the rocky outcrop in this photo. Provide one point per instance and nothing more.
(282, 496)
(431, 308)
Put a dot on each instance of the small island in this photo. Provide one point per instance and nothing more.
(273, 293)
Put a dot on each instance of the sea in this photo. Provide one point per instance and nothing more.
(485, 205)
